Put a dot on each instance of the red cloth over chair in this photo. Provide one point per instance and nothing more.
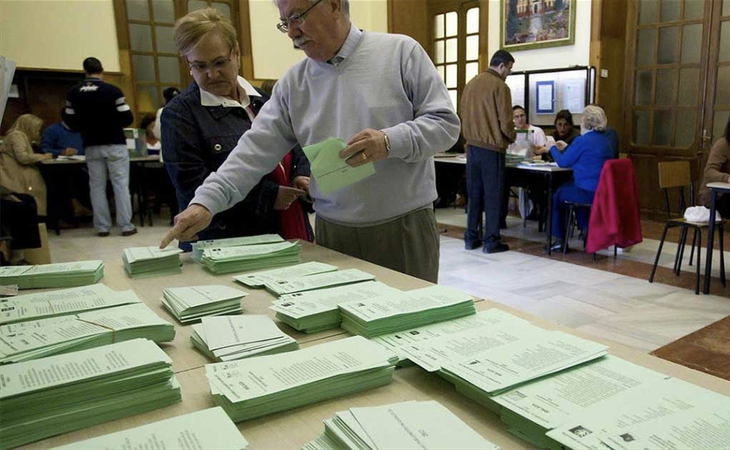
(615, 213)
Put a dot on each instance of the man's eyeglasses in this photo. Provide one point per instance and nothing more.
(295, 20)
(218, 64)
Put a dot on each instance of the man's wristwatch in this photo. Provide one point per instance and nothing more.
(387, 143)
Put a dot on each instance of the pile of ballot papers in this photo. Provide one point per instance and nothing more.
(61, 393)
(318, 310)
(190, 304)
(43, 305)
(314, 374)
(260, 279)
(408, 425)
(35, 339)
(227, 338)
(251, 257)
(199, 246)
(142, 262)
(206, 429)
(80, 273)
(397, 312)
(319, 281)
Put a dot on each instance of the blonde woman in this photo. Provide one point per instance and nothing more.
(19, 171)
(586, 156)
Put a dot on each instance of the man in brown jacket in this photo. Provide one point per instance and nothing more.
(487, 125)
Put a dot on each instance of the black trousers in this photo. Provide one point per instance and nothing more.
(485, 183)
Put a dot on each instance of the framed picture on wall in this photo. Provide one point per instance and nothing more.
(533, 24)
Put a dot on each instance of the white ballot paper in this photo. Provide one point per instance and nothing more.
(207, 429)
(318, 281)
(508, 365)
(63, 302)
(259, 279)
(314, 302)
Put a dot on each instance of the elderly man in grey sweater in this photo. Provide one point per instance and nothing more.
(383, 94)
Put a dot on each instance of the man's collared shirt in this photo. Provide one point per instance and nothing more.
(353, 37)
(209, 99)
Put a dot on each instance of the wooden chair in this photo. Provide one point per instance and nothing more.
(677, 175)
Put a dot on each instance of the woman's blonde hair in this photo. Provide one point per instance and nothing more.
(192, 28)
(594, 118)
(29, 125)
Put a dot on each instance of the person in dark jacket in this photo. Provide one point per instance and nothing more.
(100, 112)
(203, 124)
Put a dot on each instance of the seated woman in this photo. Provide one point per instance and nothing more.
(203, 124)
(717, 170)
(586, 156)
(564, 130)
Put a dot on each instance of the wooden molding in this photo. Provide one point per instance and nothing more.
(245, 41)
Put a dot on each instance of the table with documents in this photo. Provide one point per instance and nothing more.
(294, 428)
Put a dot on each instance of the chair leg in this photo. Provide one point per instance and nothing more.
(698, 233)
(658, 253)
(681, 250)
(721, 230)
(680, 246)
(615, 251)
(692, 252)
(568, 228)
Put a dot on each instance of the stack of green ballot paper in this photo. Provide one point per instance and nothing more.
(199, 246)
(227, 338)
(260, 279)
(251, 257)
(320, 281)
(61, 303)
(35, 339)
(190, 304)
(265, 385)
(207, 429)
(142, 262)
(392, 313)
(62, 393)
(80, 273)
(314, 311)
(408, 425)
(330, 172)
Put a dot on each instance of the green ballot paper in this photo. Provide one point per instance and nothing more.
(329, 170)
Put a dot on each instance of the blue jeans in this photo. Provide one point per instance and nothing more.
(109, 162)
(571, 193)
(485, 183)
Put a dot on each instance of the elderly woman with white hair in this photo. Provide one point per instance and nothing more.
(585, 156)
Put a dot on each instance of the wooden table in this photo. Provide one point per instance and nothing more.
(714, 189)
(292, 429)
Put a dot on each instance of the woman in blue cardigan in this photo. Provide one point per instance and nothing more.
(585, 156)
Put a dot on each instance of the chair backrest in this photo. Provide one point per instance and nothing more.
(676, 174)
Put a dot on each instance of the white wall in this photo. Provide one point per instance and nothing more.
(548, 58)
(273, 51)
(58, 34)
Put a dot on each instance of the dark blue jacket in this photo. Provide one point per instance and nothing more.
(196, 140)
(58, 137)
(586, 156)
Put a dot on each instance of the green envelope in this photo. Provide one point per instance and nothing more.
(332, 172)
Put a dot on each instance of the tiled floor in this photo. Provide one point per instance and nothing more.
(607, 298)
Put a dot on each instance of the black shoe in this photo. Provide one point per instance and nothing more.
(471, 245)
(103, 233)
(131, 232)
(558, 247)
(499, 248)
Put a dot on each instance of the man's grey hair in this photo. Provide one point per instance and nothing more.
(345, 6)
(594, 118)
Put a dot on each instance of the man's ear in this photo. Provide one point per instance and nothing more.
(336, 6)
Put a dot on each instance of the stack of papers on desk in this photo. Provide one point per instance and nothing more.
(61, 303)
(206, 429)
(227, 338)
(320, 281)
(141, 262)
(408, 425)
(318, 310)
(260, 279)
(251, 257)
(62, 393)
(78, 273)
(190, 304)
(199, 246)
(265, 385)
(391, 313)
(329, 170)
(35, 339)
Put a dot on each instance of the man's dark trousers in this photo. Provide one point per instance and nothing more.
(485, 184)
